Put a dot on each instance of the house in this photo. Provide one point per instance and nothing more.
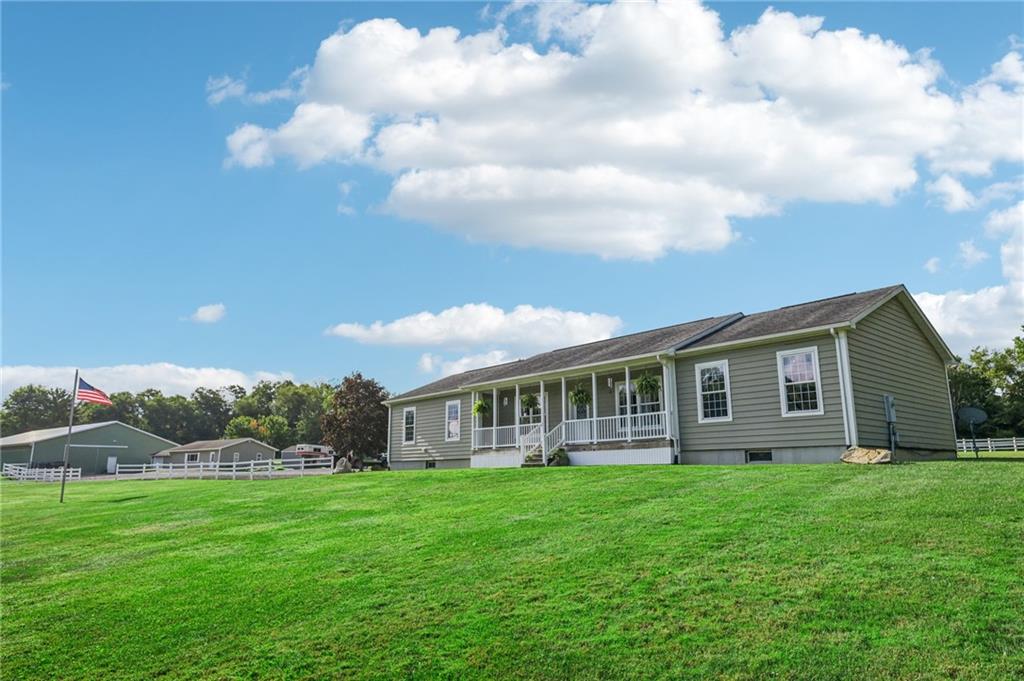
(212, 451)
(96, 448)
(797, 384)
(311, 451)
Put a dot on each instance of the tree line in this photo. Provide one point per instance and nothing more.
(348, 416)
(992, 380)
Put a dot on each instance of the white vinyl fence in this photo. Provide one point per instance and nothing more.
(992, 444)
(21, 473)
(227, 470)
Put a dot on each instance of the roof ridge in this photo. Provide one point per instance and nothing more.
(822, 300)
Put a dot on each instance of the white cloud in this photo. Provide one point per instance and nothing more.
(478, 324)
(344, 189)
(992, 315)
(167, 377)
(209, 314)
(221, 88)
(436, 364)
(970, 255)
(954, 196)
(932, 265)
(651, 132)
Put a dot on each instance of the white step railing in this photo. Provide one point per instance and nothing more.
(612, 428)
(231, 470)
(531, 440)
(992, 444)
(22, 473)
(554, 439)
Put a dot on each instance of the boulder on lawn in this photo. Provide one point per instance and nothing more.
(867, 455)
(343, 465)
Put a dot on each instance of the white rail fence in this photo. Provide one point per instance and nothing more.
(992, 444)
(228, 470)
(22, 473)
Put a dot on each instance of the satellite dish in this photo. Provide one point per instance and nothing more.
(971, 416)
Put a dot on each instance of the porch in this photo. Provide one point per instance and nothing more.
(577, 411)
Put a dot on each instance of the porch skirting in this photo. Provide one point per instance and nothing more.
(497, 458)
(621, 456)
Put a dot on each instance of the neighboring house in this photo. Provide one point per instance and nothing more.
(96, 448)
(312, 451)
(212, 451)
(798, 384)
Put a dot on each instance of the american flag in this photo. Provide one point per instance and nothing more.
(87, 393)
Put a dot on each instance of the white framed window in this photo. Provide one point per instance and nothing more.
(579, 411)
(192, 457)
(799, 382)
(452, 420)
(714, 394)
(235, 456)
(214, 457)
(642, 404)
(409, 425)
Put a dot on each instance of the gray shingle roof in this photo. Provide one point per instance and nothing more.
(796, 317)
(698, 334)
(611, 349)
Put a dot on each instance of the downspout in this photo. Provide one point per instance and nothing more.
(846, 386)
(387, 454)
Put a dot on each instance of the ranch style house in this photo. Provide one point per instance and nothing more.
(799, 384)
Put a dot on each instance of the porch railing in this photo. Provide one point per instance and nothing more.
(649, 425)
(502, 436)
(611, 428)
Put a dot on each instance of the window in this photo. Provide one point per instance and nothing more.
(259, 456)
(409, 425)
(213, 457)
(530, 416)
(714, 398)
(799, 383)
(642, 404)
(579, 411)
(192, 457)
(235, 456)
(453, 420)
(759, 456)
(430, 464)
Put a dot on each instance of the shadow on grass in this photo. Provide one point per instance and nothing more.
(123, 499)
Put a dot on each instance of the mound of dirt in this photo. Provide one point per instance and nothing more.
(866, 455)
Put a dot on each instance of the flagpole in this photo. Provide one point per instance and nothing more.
(67, 447)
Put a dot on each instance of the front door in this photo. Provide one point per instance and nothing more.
(111, 464)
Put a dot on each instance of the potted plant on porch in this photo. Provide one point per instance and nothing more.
(529, 402)
(579, 396)
(647, 385)
(481, 408)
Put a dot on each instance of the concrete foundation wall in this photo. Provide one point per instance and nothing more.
(826, 454)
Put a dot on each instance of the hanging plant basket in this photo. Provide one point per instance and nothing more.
(529, 402)
(481, 408)
(647, 385)
(579, 396)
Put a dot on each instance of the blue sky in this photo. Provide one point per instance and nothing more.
(123, 213)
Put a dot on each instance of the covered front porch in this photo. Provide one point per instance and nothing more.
(621, 404)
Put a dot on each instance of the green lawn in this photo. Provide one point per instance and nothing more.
(826, 571)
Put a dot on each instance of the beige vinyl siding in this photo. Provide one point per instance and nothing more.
(430, 426)
(757, 420)
(889, 354)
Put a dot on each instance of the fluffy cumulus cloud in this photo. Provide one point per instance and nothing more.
(489, 334)
(172, 379)
(209, 314)
(476, 324)
(991, 315)
(631, 129)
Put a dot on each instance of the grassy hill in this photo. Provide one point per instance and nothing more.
(827, 571)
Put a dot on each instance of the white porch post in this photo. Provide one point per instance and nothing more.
(629, 408)
(543, 408)
(494, 413)
(472, 420)
(593, 411)
(565, 404)
(517, 410)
